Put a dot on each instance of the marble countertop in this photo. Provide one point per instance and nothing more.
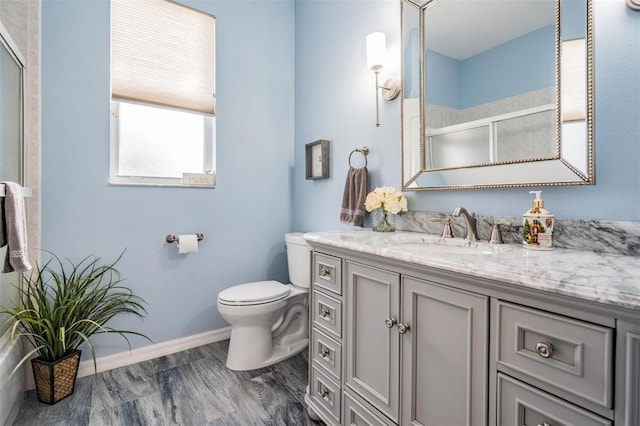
(605, 278)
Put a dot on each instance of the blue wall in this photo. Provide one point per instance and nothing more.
(243, 220)
(346, 117)
(288, 74)
(572, 19)
(443, 80)
(411, 70)
(335, 100)
(519, 66)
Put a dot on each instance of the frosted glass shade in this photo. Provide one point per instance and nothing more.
(376, 51)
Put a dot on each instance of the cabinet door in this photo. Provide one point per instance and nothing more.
(358, 413)
(371, 347)
(628, 374)
(521, 404)
(444, 355)
(572, 358)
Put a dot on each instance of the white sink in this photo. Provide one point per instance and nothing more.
(449, 246)
(443, 248)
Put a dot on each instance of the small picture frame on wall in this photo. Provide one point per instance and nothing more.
(317, 159)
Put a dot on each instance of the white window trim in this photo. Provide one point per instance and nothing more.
(125, 180)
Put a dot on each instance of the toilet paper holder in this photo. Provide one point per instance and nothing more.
(174, 238)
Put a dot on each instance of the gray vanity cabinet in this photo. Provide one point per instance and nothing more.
(371, 341)
(357, 412)
(444, 355)
(521, 404)
(393, 343)
(628, 379)
(442, 334)
(569, 357)
(325, 348)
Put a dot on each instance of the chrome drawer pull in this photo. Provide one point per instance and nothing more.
(544, 424)
(403, 328)
(544, 349)
(325, 272)
(324, 312)
(323, 392)
(390, 322)
(324, 352)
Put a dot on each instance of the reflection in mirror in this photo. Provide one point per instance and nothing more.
(11, 108)
(573, 84)
(491, 108)
(411, 94)
(491, 100)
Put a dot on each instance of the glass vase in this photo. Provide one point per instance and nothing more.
(380, 221)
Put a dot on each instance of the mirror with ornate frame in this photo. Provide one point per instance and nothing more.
(496, 93)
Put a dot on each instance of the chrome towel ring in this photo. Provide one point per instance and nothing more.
(364, 151)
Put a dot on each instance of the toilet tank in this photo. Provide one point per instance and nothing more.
(299, 259)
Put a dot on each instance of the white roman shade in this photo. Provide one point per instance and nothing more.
(162, 53)
(573, 80)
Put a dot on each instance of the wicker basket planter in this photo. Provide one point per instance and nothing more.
(55, 380)
(60, 306)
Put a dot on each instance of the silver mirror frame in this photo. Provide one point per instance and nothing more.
(557, 170)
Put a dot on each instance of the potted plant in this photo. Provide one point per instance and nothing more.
(60, 306)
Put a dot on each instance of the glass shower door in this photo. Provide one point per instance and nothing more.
(11, 138)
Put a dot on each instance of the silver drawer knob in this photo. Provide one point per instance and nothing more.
(324, 352)
(324, 312)
(323, 392)
(390, 322)
(544, 349)
(403, 328)
(325, 272)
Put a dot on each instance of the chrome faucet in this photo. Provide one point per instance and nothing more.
(470, 220)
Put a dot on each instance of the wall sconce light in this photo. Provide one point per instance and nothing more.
(376, 53)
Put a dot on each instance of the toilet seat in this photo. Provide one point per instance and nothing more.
(255, 293)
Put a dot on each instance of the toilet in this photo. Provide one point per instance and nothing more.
(269, 320)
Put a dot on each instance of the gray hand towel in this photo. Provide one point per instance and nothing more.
(13, 229)
(356, 188)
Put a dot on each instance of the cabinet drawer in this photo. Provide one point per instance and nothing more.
(573, 356)
(327, 314)
(327, 272)
(520, 404)
(326, 393)
(359, 413)
(327, 353)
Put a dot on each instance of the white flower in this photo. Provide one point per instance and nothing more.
(385, 190)
(388, 198)
(403, 203)
(392, 205)
(373, 201)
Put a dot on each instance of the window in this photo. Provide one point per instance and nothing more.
(162, 94)
(573, 80)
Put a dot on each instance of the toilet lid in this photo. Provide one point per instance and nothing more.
(254, 293)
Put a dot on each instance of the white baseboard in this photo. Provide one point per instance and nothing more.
(146, 353)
